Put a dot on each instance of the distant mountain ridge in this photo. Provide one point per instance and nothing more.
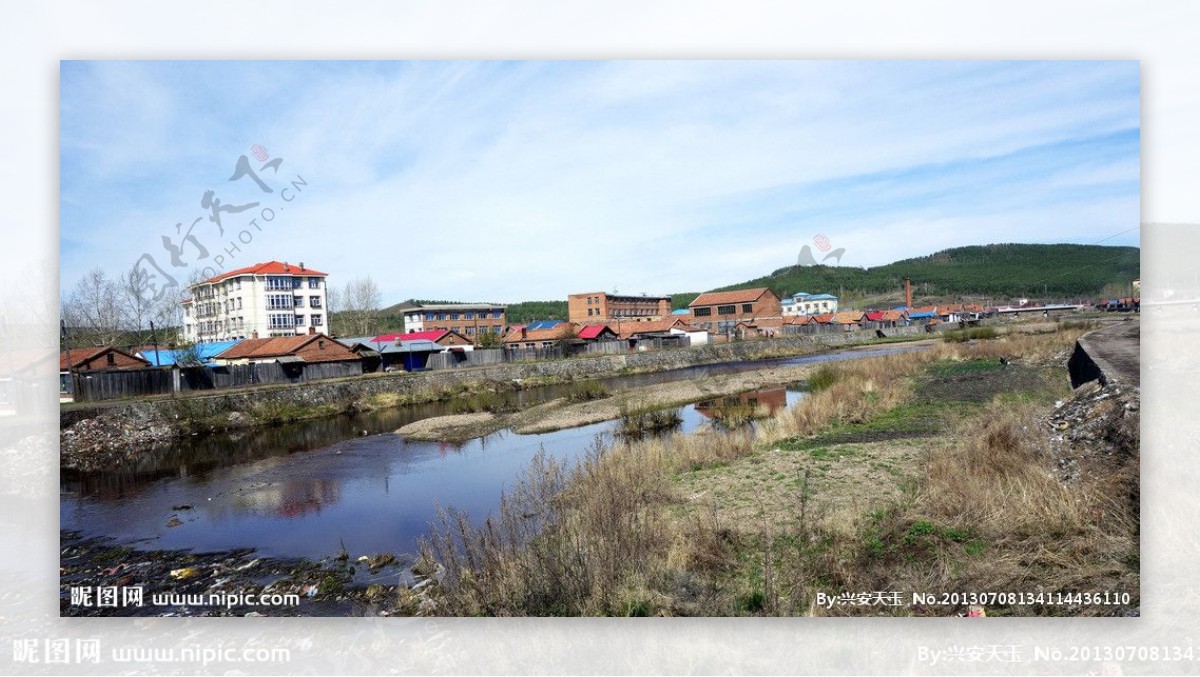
(995, 270)
(1000, 271)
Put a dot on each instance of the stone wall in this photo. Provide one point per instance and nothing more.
(346, 394)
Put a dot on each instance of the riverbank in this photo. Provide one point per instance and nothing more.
(563, 413)
(98, 435)
(966, 467)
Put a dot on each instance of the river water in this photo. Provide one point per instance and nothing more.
(307, 489)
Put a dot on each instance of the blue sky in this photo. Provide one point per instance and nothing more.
(509, 181)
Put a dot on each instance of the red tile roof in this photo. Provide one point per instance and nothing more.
(279, 346)
(665, 324)
(737, 296)
(268, 268)
(428, 335)
(847, 317)
(823, 319)
(81, 356)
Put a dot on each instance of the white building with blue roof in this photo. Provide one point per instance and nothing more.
(803, 303)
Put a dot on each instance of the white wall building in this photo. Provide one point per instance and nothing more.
(808, 304)
(259, 301)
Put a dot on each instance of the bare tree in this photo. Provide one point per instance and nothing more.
(359, 302)
(95, 310)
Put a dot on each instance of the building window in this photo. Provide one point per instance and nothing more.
(314, 283)
(316, 320)
(453, 316)
(314, 301)
(280, 320)
(441, 316)
(747, 307)
(279, 301)
(299, 301)
(239, 303)
(726, 310)
(470, 331)
(702, 312)
(299, 320)
(468, 316)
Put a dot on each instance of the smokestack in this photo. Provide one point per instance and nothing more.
(908, 293)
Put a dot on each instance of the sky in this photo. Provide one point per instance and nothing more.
(511, 181)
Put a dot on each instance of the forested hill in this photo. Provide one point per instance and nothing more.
(995, 270)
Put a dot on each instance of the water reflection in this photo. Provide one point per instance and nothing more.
(305, 489)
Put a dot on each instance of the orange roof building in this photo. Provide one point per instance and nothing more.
(271, 299)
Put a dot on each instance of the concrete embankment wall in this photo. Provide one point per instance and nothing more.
(345, 394)
(1108, 354)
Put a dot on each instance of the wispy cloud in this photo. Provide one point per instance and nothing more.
(515, 180)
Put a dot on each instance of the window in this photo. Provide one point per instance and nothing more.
(430, 316)
(316, 320)
(296, 282)
(747, 307)
(299, 320)
(496, 314)
(470, 331)
(441, 316)
(453, 316)
(468, 316)
(314, 283)
(239, 305)
(278, 282)
(298, 301)
(702, 312)
(278, 301)
(314, 301)
(280, 320)
(589, 312)
(726, 310)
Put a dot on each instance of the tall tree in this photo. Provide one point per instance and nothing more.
(357, 305)
(95, 311)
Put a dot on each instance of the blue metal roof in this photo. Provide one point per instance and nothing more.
(681, 311)
(918, 316)
(543, 324)
(205, 351)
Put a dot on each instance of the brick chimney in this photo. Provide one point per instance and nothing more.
(908, 293)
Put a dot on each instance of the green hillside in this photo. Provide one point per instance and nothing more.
(1000, 271)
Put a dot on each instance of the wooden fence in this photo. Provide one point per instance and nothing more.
(109, 385)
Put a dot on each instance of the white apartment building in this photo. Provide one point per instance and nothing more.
(803, 303)
(259, 301)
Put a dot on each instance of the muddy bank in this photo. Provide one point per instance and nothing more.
(228, 583)
(560, 414)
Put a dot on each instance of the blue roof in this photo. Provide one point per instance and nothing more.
(543, 324)
(205, 351)
(805, 296)
(681, 311)
(918, 316)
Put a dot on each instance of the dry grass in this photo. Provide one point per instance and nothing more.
(621, 534)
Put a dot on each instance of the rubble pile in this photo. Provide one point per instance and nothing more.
(1094, 434)
(104, 442)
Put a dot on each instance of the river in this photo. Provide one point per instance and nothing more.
(307, 489)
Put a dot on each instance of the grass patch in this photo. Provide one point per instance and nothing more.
(638, 420)
(970, 334)
(822, 378)
(585, 391)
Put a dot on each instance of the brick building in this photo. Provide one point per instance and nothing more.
(720, 311)
(471, 320)
(602, 307)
